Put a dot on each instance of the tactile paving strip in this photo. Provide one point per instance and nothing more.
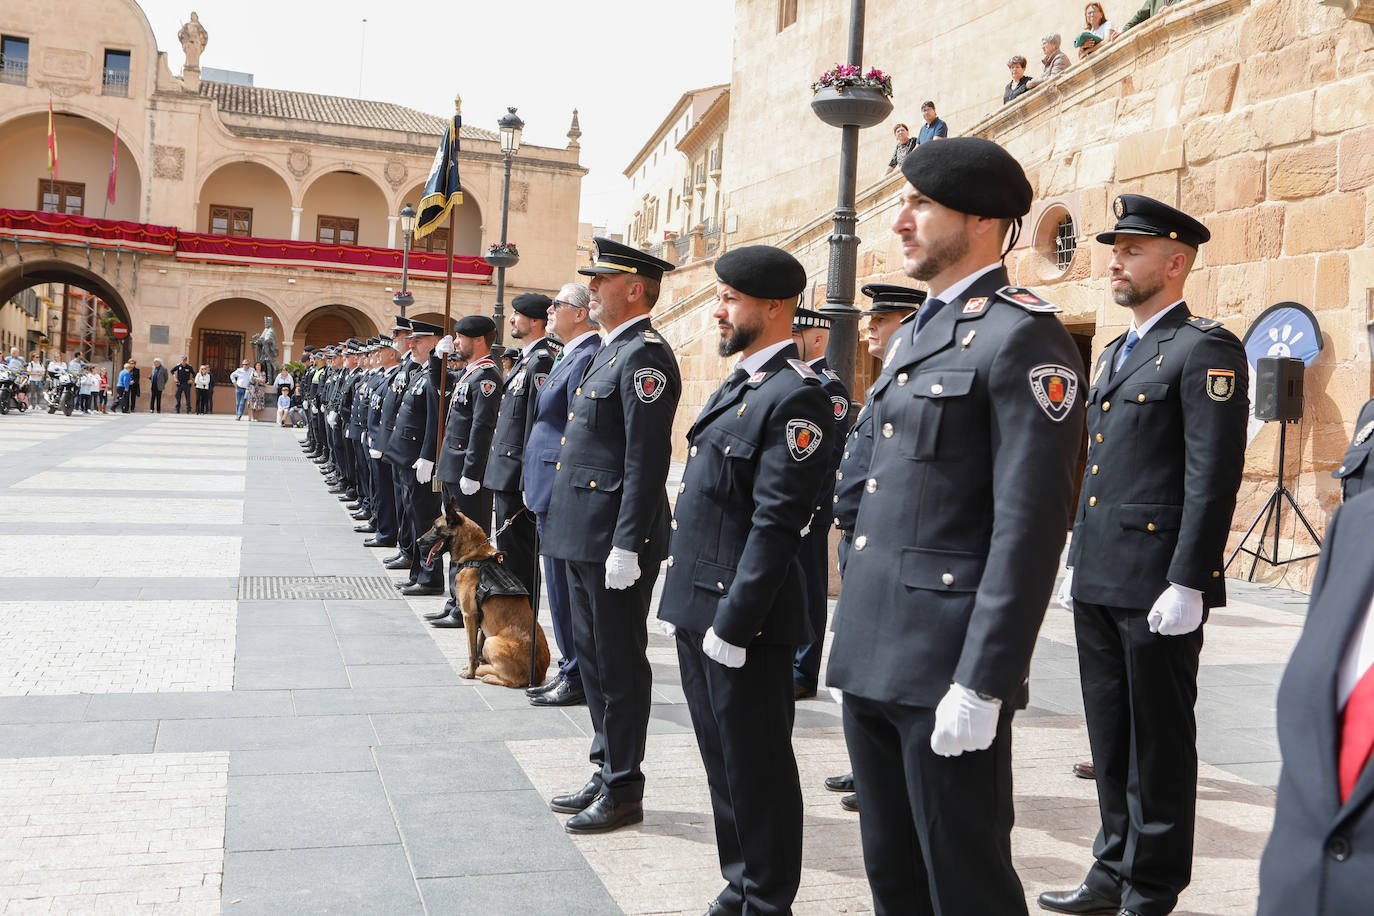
(303, 588)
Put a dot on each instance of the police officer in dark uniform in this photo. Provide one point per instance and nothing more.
(383, 489)
(185, 375)
(357, 428)
(518, 537)
(608, 518)
(1167, 408)
(1355, 473)
(978, 419)
(472, 412)
(411, 449)
(391, 407)
(811, 333)
(734, 595)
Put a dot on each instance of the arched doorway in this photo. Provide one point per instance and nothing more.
(83, 170)
(76, 310)
(221, 338)
(467, 217)
(330, 324)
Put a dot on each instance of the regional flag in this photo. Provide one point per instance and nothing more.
(442, 190)
(114, 166)
(52, 143)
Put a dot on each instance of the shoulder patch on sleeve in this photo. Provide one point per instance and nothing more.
(805, 371)
(649, 384)
(1024, 298)
(1055, 389)
(1221, 384)
(840, 405)
(486, 386)
(803, 438)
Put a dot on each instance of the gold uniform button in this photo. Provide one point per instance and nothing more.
(937, 388)
(1094, 469)
(861, 542)
(1092, 500)
(839, 475)
(692, 451)
(558, 466)
(1106, 406)
(835, 500)
(673, 524)
(720, 585)
(901, 379)
(593, 392)
(577, 390)
(563, 441)
(1150, 526)
(1140, 398)
(947, 578)
(1099, 437)
(1216, 574)
(846, 454)
(872, 485)
(887, 430)
(592, 485)
(727, 449)
(570, 416)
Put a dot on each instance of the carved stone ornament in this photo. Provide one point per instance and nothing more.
(519, 196)
(70, 64)
(298, 161)
(61, 90)
(395, 172)
(169, 162)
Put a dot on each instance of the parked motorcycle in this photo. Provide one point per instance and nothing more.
(64, 387)
(14, 386)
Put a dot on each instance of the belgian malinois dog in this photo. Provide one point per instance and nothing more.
(498, 631)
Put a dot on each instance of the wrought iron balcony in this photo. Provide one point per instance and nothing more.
(14, 70)
(116, 82)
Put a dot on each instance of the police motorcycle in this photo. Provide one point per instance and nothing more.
(14, 386)
(64, 386)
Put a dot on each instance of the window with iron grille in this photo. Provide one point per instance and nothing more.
(116, 79)
(14, 60)
(1065, 242)
(237, 221)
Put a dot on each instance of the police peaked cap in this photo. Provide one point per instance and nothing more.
(615, 258)
(1137, 214)
(402, 323)
(424, 329)
(806, 318)
(889, 297)
(474, 326)
(970, 175)
(532, 305)
(383, 340)
(762, 271)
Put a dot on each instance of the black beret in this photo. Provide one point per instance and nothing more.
(805, 318)
(762, 271)
(889, 297)
(970, 175)
(532, 305)
(424, 328)
(1137, 214)
(614, 258)
(474, 326)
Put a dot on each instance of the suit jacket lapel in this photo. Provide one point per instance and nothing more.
(939, 332)
(1356, 585)
(1147, 350)
(717, 404)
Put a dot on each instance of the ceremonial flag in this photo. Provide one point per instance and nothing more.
(114, 167)
(52, 143)
(442, 190)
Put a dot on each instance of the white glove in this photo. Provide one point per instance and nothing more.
(468, 485)
(837, 694)
(721, 651)
(374, 453)
(1064, 597)
(964, 722)
(348, 433)
(1177, 611)
(622, 568)
(424, 470)
(332, 419)
(445, 345)
(667, 628)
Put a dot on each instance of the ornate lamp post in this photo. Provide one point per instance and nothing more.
(511, 127)
(404, 298)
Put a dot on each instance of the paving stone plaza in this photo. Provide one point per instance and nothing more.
(205, 707)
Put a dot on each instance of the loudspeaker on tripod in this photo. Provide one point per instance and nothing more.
(1278, 388)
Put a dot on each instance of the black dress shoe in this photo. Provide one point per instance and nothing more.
(416, 590)
(404, 583)
(439, 614)
(843, 783)
(354, 506)
(1126, 912)
(1085, 770)
(566, 693)
(577, 801)
(544, 687)
(604, 815)
(365, 528)
(716, 908)
(348, 495)
(1082, 900)
(850, 803)
(401, 562)
(379, 542)
(336, 489)
(394, 557)
(359, 515)
(802, 693)
(448, 622)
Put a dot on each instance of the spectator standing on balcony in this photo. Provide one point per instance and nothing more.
(934, 128)
(242, 377)
(1147, 9)
(1055, 60)
(1020, 83)
(156, 383)
(1086, 43)
(905, 144)
(1095, 18)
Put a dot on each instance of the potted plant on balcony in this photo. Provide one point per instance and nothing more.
(845, 95)
(503, 254)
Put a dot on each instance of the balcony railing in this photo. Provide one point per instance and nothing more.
(116, 82)
(682, 248)
(14, 70)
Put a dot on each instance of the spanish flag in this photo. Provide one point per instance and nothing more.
(52, 143)
(442, 190)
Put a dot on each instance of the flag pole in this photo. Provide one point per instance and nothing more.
(448, 299)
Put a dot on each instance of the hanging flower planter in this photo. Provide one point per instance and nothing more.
(845, 96)
(506, 255)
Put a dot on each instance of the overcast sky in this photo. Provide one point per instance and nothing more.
(621, 63)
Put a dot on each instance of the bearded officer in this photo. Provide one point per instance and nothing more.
(811, 334)
(384, 495)
(528, 321)
(964, 512)
(735, 590)
(472, 413)
(608, 519)
(1167, 416)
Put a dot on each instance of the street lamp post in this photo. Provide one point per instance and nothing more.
(511, 127)
(404, 298)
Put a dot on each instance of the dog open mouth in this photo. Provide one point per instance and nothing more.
(440, 545)
(433, 546)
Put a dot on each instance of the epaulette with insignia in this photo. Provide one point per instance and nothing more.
(1020, 296)
(831, 374)
(651, 336)
(1204, 324)
(805, 371)
(555, 345)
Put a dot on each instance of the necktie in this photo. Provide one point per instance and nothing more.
(1357, 733)
(1132, 338)
(558, 359)
(735, 379)
(928, 311)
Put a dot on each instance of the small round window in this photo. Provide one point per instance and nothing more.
(1055, 241)
(1065, 242)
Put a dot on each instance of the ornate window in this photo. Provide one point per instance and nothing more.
(236, 221)
(336, 230)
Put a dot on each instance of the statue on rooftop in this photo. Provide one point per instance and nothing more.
(193, 38)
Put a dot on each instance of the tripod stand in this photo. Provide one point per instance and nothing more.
(1270, 512)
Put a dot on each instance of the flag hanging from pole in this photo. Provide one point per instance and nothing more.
(52, 143)
(443, 190)
(114, 166)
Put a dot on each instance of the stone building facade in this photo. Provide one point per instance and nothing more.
(1254, 115)
(318, 180)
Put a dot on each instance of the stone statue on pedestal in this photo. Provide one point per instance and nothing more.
(193, 38)
(265, 349)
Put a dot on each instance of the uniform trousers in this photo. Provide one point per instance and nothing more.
(610, 630)
(183, 391)
(815, 561)
(519, 540)
(743, 722)
(363, 467)
(556, 588)
(1139, 690)
(423, 505)
(383, 499)
(936, 830)
(404, 541)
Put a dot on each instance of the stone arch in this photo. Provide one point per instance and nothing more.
(55, 271)
(84, 141)
(331, 323)
(221, 335)
(471, 234)
(350, 194)
(252, 183)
